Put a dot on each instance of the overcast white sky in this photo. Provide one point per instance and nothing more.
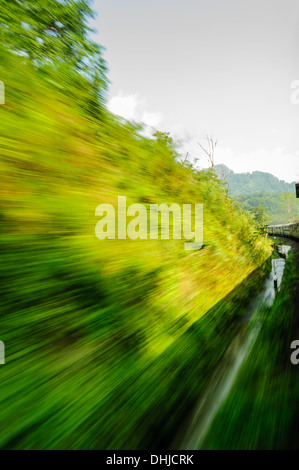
(220, 67)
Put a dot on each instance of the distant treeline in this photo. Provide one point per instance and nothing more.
(267, 198)
(251, 183)
(280, 208)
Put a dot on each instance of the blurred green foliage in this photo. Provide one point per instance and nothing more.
(261, 411)
(53, 32)
(101, 336)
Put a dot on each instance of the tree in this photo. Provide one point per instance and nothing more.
(53, 32)
(259, 215)
(164, 137)
(209, 150)
(289, 203)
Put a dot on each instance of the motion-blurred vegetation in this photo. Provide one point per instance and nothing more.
(107, 342)
(261, 410)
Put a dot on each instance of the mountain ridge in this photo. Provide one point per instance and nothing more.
(250, 183)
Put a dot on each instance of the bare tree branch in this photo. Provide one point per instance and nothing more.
(209, 150)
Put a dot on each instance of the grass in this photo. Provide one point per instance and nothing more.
(261, 410)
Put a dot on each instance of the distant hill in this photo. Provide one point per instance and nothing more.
(251, 183)
(282, 208)
(252, 190)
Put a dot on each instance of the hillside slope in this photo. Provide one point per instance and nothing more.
(94, 329)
